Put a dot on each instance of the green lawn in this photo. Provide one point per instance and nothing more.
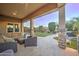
(72, 45)
(42, 34)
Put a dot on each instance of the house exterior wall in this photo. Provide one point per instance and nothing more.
(3, 27)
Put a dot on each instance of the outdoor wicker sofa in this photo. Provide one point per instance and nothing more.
(9, 43)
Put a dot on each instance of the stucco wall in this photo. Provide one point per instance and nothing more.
(3, 25)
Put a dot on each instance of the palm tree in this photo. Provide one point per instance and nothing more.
(76, 25)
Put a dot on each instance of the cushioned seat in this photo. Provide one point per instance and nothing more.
(6, 39)
(8, 45)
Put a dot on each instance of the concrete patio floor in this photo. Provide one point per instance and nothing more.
(47, 46)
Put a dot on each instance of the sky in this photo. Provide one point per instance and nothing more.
(71, 10)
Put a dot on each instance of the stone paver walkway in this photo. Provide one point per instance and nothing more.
(47, 46)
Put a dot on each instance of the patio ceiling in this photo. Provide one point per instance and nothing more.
(25, 10)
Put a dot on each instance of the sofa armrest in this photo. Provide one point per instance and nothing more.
(8, 45)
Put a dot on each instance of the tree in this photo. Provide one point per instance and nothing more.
(41, 29)
(73, 25)
(26, 29)
(76, 24)
(69, 25)
(37, 29)
(52, 26)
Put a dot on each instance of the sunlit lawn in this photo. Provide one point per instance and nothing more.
(72, 45)
(42, 34)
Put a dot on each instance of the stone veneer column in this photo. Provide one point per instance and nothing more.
(22, 28)
(31, 28)
(23, 33)
(62, 37)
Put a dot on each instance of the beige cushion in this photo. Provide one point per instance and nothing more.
(6, 39)
(9, 40)
(1, 40)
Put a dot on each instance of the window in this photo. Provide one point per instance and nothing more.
(11, 27)
(16, 28)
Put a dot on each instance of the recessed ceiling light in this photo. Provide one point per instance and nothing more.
(14, 13)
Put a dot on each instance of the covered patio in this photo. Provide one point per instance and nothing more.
(45, 47)
(16, 14)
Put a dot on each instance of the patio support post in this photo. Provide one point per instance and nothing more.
(22, 27)
(31, 40)
(31, 28)
(62, 38)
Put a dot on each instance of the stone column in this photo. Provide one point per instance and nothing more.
(22, 28)
(62, 37)
(23, 33)
(31, 28)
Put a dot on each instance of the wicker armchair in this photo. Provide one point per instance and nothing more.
(30, 41)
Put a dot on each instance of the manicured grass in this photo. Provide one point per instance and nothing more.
(72, 45)
(42, 34)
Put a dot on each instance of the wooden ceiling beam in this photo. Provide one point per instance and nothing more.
(41, 10)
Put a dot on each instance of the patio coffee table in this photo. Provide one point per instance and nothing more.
(20, 40)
